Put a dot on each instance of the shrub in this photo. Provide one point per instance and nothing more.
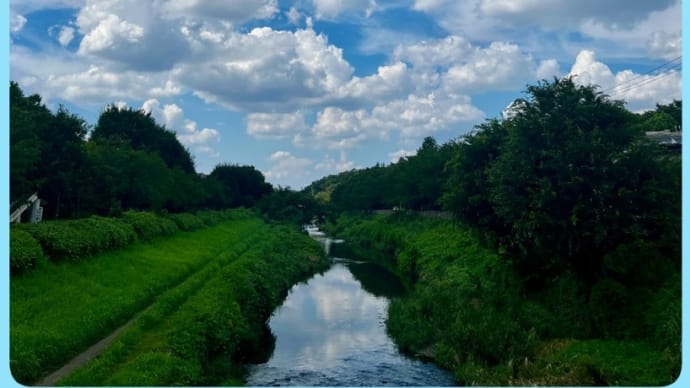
(149, 225)
(210, 217)
(106, 233)
(187, 221)
(60, 240)
(75, 239)
(25, 251)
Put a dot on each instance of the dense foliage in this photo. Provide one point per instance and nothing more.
(128, 162)
(414, 182)
(75, 240)
(468, 311)
(25, 251)
(564, 182)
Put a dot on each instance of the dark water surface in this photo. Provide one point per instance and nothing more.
(330, 331)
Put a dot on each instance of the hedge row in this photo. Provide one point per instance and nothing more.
(76, 239)
(149, 225)
(25, 251)
(186, 221)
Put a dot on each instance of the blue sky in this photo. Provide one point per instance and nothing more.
(306, 88)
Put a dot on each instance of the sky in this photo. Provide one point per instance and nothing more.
(302, 89)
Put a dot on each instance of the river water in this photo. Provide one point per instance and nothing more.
(330, 331)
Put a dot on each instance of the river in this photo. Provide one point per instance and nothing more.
(330, 331)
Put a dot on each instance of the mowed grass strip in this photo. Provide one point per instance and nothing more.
(58, 310)
(217, 327)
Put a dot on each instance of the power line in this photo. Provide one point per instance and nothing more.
(623, 88)
(658, 70)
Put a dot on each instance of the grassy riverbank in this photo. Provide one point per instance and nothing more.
(468, 311)
(205, 296)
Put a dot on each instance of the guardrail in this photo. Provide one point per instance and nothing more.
(16, 215)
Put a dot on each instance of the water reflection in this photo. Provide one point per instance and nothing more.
(331, 331)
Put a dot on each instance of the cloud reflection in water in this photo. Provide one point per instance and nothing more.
(330, 331)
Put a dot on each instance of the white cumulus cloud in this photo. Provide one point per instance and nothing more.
(66, 35)
(275, 125)
(287, 168)
(640, 91)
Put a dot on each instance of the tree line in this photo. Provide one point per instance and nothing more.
(126, 161)
(566, 184)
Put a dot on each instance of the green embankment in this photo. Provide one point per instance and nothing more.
(205, 296)
(468, 312)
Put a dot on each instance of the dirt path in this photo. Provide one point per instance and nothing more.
(85, 356)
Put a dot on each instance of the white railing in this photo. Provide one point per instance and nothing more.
(17, 214)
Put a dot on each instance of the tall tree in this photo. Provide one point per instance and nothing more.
(26, 113)
(240, 185)
(466, 191)
(571, 181)
(141, 132)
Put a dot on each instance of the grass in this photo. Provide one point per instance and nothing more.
(214, 325)
(58, 310)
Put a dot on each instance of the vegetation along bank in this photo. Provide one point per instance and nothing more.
(200, 300)
(469, 311)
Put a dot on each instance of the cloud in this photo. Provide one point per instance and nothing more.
(456, 65)
(658, 33)
(402, 153)
(389, 82)
(435, 53)
(275, 125)
(330, 9)
(131, 34)
(168, 90)
(17, 22)
(173, 118)
(66, 35)
(331, 166)
(501, 66)
(555, 13)
(414, 117)
(551, 14)
(336, 128)
(294, 16)
(267, 69)
(548, 69)
(234, 11)
(295, 84)
(288, 168)
(640, 91)
(621, 26)
(665, 45)
(28, 6)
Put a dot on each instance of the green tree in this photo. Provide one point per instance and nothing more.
(562, 182)
(25, 148)
(467, 187)
(46, 154)
(240, 185)
(138, 129)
